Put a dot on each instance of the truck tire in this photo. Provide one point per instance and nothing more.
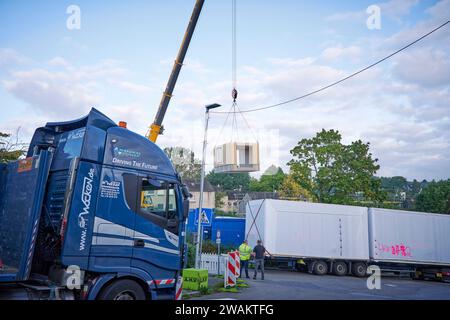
(320, 268)
(340, 268)
(122, 289)
(359, 269)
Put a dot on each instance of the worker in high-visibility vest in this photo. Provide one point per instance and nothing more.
(244, 254)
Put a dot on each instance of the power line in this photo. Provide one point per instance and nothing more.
(343, 79)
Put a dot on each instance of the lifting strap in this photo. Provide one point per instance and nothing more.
(234, 92)
(234, 109)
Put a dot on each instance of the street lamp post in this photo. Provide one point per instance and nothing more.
(198, 248)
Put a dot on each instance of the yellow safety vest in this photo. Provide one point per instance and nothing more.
(244, 252)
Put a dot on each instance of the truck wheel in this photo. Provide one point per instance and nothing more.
(340, 268)
(320, 268)
(124, 289)
(359, 269)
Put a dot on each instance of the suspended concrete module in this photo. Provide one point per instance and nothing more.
(236, 157)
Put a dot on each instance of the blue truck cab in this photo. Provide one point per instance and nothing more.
(95, 211)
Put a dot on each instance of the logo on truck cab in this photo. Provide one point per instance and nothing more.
(86, 194)
(126, 152)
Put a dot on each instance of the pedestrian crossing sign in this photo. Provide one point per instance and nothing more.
(205, 218)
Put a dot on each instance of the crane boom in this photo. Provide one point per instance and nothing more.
(156, 127)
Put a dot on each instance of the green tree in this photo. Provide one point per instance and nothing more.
(218, 202)
(333, 172)
(415, 187)
(10, 148)
(292, 190)
(396, 183)
(230, 181)
(435, 197)
(185, 162)
(270, 181)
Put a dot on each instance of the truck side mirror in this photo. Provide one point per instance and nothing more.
(185, 191)
(185, 208)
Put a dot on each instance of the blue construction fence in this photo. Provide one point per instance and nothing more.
(232, 229)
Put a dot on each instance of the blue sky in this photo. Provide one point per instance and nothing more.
(120, 59)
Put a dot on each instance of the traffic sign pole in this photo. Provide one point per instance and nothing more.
(218, 251)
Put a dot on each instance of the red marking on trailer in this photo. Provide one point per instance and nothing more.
(395, 249)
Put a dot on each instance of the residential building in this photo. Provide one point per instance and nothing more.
(209, 194)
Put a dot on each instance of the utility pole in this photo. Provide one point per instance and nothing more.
(198, 249)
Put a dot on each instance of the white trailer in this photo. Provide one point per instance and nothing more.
(409, 237)
(323, 236)
(346, 239)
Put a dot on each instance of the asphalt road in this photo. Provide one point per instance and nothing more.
(289, 285)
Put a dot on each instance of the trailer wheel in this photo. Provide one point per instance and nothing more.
(320, 268)
(122, 289)
(359, 269)
(340, 268)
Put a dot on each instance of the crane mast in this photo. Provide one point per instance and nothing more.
(156, 127)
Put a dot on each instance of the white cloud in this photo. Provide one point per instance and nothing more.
(425, 66)
(10, 57)
(59, 62)
(67, 90)
(397, 8)
(133, 87)
(290, 62)
(341, 52)
(440, 12)
(51, 92)
(73, 44)
(349, 15)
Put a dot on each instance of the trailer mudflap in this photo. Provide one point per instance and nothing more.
(22, 189)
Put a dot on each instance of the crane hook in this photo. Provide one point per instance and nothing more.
(234, 94)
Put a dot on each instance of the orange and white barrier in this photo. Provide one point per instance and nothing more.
(179, 288)
(232, 270)
(238, 264)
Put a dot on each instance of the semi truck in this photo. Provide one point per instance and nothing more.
(94, 211)
(346, 240)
